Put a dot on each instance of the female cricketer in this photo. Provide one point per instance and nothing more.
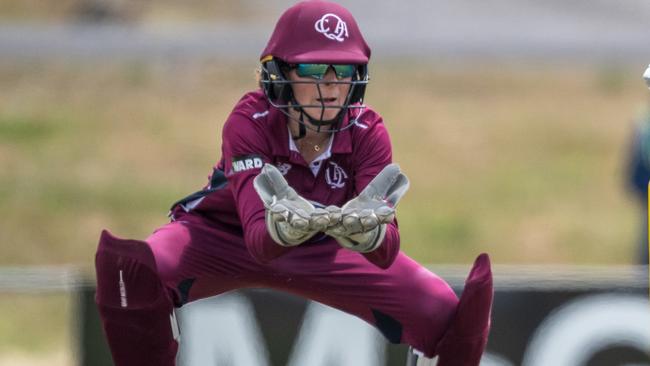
(302, 200)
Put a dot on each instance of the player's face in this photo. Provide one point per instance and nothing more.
(331, 94)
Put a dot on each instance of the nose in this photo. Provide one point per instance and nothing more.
(330, 75)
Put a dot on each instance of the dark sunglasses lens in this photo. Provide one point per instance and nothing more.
(316, 71)
(344, 71)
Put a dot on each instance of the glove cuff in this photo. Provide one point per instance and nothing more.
(378, 239)
(364, 242)
(280, 233)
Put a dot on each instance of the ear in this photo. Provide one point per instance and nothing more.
(274, 83)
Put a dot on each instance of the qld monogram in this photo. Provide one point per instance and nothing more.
(332, 27)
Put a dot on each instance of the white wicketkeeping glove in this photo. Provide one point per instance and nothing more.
(290, 219)
(361, 222)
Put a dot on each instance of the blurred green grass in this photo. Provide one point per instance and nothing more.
(524, 163)
(36, 330)
(49, 313)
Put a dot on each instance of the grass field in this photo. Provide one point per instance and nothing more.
(36, 330)
(526, 163)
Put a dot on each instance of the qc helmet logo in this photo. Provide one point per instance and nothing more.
(332, 27)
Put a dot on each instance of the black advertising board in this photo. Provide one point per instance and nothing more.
(552, 315)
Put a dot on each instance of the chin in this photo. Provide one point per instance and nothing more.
(329, 114)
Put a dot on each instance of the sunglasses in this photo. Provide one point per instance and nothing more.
(318, 71)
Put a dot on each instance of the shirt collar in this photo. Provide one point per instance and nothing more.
(324, 155)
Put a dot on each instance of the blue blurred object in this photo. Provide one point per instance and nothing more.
(638, 177)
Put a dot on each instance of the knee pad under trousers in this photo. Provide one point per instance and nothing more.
(136, 311)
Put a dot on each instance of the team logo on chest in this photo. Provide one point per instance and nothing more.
(335, 176)
(332, 27)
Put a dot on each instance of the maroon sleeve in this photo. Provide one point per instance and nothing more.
(373, 153)
(245, 149)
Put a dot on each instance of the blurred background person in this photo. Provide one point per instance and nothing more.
(639, 173)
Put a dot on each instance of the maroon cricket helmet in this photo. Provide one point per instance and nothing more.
(317, 31)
